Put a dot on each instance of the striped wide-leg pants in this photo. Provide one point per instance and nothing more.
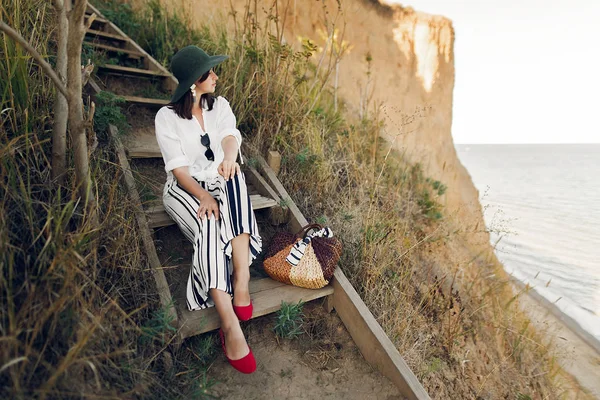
(212, 263)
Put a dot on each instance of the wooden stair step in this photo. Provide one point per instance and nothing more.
(105, 35)
(146, 101)
(158, 217)
(97, 19)
(121, 70)
(141, 143)
(130, 53)
(267, 296)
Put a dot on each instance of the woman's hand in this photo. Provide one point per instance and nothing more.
(228, 169)
(208, 205)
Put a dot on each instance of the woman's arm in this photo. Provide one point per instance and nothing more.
(230, 147)
(208, 205)
(231, 140)
(229, 167)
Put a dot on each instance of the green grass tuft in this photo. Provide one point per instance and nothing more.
(289, 320)
(158, 326)
(108, 112)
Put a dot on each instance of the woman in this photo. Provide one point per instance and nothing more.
(206, 196)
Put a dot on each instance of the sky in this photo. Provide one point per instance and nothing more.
(527, 71)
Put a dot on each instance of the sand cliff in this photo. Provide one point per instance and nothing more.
(412, 81)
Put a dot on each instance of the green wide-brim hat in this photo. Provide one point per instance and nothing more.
(189, 64)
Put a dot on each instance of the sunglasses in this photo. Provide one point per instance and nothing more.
(205, 140)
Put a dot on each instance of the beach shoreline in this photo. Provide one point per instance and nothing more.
(577, 351)
(564, 318)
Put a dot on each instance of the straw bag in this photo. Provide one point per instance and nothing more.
(304, 260)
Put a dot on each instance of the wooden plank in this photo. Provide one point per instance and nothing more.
(144, 153)
(256, 284)
(146, 101)
(329, 303)
(265, 302)
(110, 36)
(297, 222)
(259, 202)
(158, 217)
(121, 70)
(98, 18)
(141, 143)
(155, 266)
(261, 184)
(274, 161)
(261, 284)
(372, 341)
(130, 53)
(278, 214)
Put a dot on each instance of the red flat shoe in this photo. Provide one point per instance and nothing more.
(244, 313)
(246, 364)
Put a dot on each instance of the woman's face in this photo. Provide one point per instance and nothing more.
(208, 85)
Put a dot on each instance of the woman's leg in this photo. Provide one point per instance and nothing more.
(209, 269)
(239, 233)
(241, 269)
(209, 274)
(235, 342)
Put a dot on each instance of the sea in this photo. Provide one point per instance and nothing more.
(541, 205)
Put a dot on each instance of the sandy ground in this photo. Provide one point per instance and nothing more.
(574, 355)
(323, 363)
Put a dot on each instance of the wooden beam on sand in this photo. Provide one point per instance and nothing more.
(155, 266)
(374, 344)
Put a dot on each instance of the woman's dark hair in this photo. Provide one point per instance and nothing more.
(183, 106)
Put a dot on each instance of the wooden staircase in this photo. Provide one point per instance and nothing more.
(267, 294)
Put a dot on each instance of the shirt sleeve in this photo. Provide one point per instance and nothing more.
(227, 124)
(169, 143)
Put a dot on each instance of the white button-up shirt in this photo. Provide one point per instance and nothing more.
(179, 139)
